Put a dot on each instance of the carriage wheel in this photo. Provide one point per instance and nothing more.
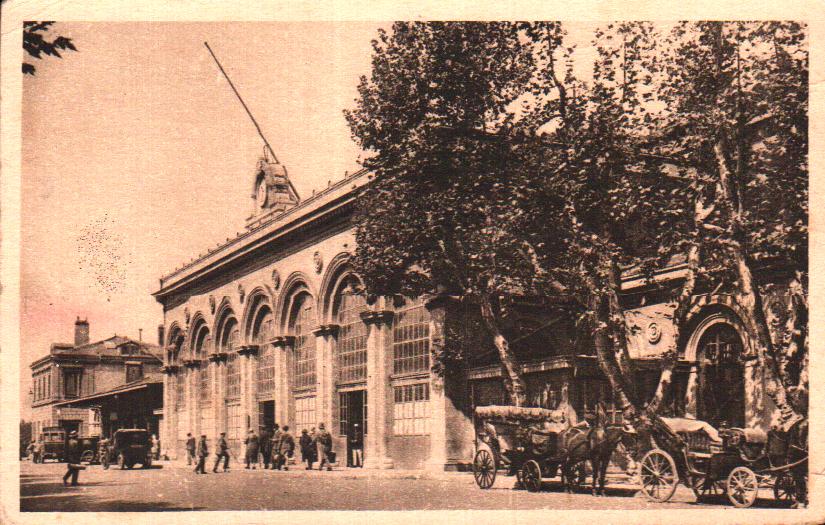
(703, 489)
(657, 472)
(784, 488)
(87, 457)
(484, 469)
(742, 487)
(531, 476)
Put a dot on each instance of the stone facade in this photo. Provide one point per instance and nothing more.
(265, 329)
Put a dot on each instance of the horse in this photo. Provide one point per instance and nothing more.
(596, 445)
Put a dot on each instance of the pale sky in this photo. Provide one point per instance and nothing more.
(137, 157)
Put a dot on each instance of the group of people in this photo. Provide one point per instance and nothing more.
(272, 449)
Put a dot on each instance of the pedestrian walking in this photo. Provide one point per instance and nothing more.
(307, 449)
(286, 448)
(202, 454)
(251, 449)
(323, 442)
(72, 459)
(103, 453)
(155, 447)
(266, 446)
(222, 448)
(356, 445)
(275, 443)
(190, 449)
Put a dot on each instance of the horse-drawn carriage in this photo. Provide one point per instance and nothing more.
(735, 462)
(536, 443)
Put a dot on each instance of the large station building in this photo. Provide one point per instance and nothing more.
(266, 328)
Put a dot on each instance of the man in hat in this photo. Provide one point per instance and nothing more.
(323, 441)
(285, 449)
(190, 449)
(203, 453)
(356, 444)
(307, 449)
(223, 452)
(251, 443)
(72, 458)
(275, 444)
(266, 446)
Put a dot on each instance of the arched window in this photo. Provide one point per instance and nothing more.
(351, 345)
(303, 321)
(202, 343)
(229, 344)
(262, 334)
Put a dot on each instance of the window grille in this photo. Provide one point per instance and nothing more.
(411, 339)
(411, 410)
(304, 350)
(351, 344)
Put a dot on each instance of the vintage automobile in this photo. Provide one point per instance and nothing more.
(52, 444)
(128, 447)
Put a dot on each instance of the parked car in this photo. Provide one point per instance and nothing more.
(130, 446)
(52, 444)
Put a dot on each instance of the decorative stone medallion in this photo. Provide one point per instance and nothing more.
(276, 280)
(212, 303)
(187, 315)
(241, 292)
(654, 333)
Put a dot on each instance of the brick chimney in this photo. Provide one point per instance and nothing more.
(81, 332)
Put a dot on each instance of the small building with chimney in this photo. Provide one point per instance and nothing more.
(97, 387)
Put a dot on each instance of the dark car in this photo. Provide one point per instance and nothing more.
(130, 446)
(52, 444)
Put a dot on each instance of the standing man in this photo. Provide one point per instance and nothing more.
(190, 449)
(72, 459)
(324, 444)
(203, 452)
(222, 452)
(286, 449)
(251, 449)
(307, 449)
(266, 446)
(356, 444)
(275, 443)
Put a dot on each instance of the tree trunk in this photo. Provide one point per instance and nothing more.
(513, 381)
(749, 296)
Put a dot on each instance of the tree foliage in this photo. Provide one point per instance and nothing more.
(497, 172)
(37, 44)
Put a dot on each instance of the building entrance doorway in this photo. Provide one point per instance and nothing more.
(353, 424)
(722, 373)
(266, 414)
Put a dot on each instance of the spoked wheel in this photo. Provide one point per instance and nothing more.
(87, 457)
(742, 487)
(484, 469)
(784, 488)
(657, 472)
(531, 476)
(703, 488)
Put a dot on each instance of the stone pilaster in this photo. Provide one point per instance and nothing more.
(168, 437)
(379, 393)
(216, 364)
(325, 374)
(451, 432)
(248, 361)
(192, 418)
(282, 346)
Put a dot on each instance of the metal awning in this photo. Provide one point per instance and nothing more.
(109, 393)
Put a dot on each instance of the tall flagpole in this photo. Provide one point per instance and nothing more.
(248, 112)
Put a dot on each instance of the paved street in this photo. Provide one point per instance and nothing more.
(172, 487)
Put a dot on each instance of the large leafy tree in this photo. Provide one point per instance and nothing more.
(442, 211)
(37, 44)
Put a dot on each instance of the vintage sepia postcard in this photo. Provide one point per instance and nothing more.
(477, 262)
